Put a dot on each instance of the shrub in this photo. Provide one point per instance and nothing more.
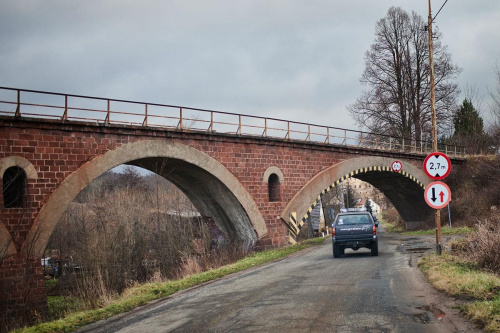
(484, 246)
(392, 216)
(479, 175)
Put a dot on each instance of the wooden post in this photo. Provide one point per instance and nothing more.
(434, 127)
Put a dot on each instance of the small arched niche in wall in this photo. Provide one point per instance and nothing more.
(14, 173)
(15, 183)
(273, 177)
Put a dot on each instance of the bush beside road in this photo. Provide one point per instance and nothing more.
(141, 294)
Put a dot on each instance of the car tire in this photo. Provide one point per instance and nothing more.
(342, 250)
(336, 251)
(374, 249)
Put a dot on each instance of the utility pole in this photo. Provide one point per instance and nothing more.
(434, 127)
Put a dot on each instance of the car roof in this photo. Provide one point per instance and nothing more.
(354, 213)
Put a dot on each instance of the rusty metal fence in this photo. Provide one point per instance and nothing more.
(66, 107)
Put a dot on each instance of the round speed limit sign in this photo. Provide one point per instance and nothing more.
(396, 166)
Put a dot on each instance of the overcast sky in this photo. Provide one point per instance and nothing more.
(295, 60)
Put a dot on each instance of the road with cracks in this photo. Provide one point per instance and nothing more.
(309, 292)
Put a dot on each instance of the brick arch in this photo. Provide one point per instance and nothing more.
(6, 238)
(247, 221)
(410, 183)
(20, 162)
(270, 171)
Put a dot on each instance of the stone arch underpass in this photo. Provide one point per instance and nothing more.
(214, 190)
(404, 189)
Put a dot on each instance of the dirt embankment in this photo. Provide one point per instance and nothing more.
(475, 188)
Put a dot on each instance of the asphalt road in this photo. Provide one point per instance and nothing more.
(308, 292)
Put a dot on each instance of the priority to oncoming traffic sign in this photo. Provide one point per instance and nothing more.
(437, 165)
(437, 195)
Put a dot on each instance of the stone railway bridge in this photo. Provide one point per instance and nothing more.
(250, 185)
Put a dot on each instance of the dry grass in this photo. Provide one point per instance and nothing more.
(392, 217)
(460, 277)
(144, 293)
(485, 313)
(478, 176)
(484, 247)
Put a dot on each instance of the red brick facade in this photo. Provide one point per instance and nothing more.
(23, 298)
(57, 149)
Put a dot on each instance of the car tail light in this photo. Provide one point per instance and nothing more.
(333, 232)
(374, 230)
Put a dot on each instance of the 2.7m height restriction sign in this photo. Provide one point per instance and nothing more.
(437, 195)
(437, 165)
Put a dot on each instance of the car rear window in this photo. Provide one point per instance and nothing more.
(353, 219)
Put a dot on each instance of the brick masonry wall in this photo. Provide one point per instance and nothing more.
(23, 298)
(57, 149)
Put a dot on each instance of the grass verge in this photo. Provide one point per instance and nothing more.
(142, 294)
(459, 277)
(389, 227)
(463, 231)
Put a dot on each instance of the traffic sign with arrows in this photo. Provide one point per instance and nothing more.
(437, 195)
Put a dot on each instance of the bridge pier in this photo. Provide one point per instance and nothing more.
(23, 297)
(411, 225)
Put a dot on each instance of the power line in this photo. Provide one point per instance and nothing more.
(439, 10)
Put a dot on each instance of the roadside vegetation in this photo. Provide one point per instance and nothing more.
(471, 272)
(129, 239)
(470, 267)
(73, 317)
(445, 230)
(124, 229)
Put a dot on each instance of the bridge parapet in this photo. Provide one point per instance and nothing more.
(77, 108)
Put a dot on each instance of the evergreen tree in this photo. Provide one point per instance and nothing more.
(469, 130)
(467, 120)
(368, 206)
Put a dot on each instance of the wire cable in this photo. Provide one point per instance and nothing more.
(439, 11)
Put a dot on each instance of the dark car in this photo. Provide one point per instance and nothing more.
(354, 230)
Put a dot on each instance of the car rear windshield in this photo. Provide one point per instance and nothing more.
(353, 219)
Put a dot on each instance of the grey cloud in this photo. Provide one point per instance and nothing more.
(285, 59)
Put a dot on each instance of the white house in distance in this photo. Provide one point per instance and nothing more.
(376, 210)
(365, 191)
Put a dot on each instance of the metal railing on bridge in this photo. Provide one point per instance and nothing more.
(66, 107)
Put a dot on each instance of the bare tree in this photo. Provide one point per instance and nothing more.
(495, 112)
(127, 228)
(495, 107)
(397, 102)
